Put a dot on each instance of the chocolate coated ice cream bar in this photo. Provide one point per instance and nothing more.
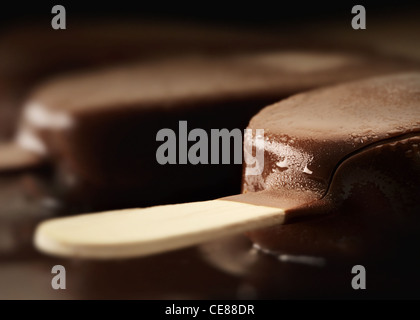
(341, 176)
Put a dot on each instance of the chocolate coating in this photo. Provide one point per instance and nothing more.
(360, 142)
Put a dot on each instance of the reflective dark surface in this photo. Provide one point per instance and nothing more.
(224, 269)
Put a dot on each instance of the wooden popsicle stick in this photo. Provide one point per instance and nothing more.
(14, 157)
(139, 232)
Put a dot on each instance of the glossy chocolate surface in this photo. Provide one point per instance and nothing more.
(355, 149)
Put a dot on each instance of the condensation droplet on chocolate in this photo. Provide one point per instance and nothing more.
(306, 170)
(282, 164)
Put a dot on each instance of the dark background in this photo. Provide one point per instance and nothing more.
(264, 13)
